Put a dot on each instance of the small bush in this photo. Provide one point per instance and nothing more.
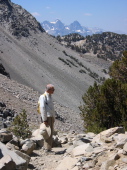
(20, 126)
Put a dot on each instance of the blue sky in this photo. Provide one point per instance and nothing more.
(110, 15)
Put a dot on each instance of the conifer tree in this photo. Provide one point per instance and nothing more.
(105, 105)
(118, 70)
(20, 126)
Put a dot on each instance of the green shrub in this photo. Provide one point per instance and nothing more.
(20, 126)
(105, 105)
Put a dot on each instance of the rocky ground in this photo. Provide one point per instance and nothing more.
(40, 160)
(78, 151)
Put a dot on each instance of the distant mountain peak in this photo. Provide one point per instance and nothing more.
(58, 28)
(76, 26)
(54, 22)
(76, 22)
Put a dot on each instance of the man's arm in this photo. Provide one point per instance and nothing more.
(43, 108)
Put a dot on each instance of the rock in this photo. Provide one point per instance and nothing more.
(98, 150)
(89, 165)
(77, 142)
(5, 136)
(39, 140)
(20, 163)
(105, 165)
(12, 146)
(6, 162)
(120, 140)
(124, 160)
(91, 135)
(79, 150)
(28, 147)
(125, 147)
(105, 136)
(70, 149)
(63, 140)
(111, 131)
(67, 163)
(22, 142)
(7, 124)
(97, 139)
(2, 104)
(56, 142)
(24, 156)
(5, 113)
(15, 141)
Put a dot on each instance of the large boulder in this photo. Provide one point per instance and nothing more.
(37, 138)
(106, 136)
(20, 162)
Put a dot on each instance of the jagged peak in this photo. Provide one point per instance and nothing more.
(76, 22)
(56, 21)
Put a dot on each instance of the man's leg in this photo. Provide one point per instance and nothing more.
(48, 142)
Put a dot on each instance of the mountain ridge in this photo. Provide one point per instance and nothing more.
(108, 45)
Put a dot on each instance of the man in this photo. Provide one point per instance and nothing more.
(47, 113)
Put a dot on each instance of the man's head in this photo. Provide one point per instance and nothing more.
(50, 88)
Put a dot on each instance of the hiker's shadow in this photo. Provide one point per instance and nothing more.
(60, 152)
(30, 166)
(34, 154)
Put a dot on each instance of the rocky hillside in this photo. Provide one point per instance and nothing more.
(107, 45)
(17, 20)
(34, 58)
(17, 97)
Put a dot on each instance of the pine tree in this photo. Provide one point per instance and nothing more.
(20, 126)
(105, 105)
(118, 70)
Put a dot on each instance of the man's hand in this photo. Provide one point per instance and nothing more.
(46, 123)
